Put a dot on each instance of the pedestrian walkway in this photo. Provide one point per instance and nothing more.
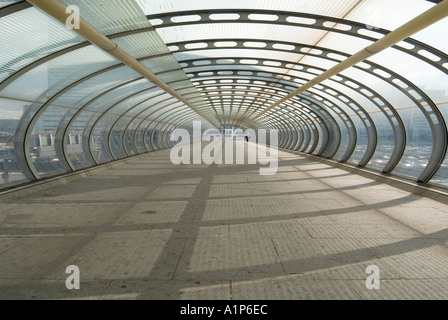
(152, 230)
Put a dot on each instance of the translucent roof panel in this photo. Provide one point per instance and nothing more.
(326, 7)
(236, 30)
(43, 35)
(231, 60)
(49, 78)
(108, 99)
(111, 16)
(431, 35)
(142, 44)
(386, 14)
(93, 87)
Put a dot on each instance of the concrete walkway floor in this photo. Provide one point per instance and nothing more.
(153, 230)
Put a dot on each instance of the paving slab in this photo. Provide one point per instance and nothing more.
(290, 288)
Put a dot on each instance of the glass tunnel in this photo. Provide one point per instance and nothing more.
(84, 83)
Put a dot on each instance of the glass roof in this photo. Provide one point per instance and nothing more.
(229, 61)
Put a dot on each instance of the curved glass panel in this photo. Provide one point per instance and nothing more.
(77, 145)
(29, 35)
(49, 78)
(47, 160)
(12, 115)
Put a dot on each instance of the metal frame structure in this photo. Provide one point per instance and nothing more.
(212, 87)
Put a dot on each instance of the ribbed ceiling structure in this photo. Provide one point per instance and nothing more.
(138, 69)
